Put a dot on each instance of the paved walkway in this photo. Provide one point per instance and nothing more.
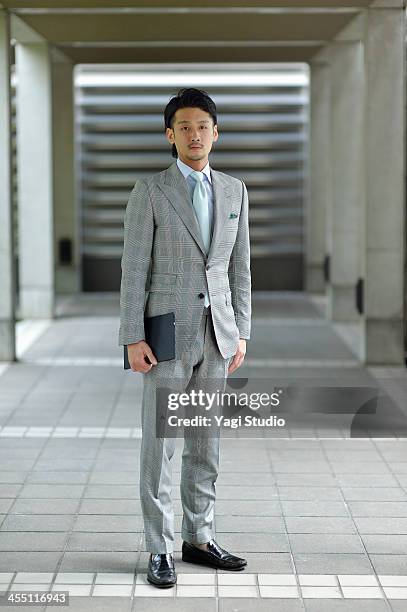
(321, 517)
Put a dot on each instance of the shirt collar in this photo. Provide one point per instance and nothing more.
(186, 170)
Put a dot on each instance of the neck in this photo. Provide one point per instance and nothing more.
(195, 164)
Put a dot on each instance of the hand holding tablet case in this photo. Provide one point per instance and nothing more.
(160, 336)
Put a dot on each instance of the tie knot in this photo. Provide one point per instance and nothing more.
(198, 176)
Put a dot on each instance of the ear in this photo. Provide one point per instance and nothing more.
(215, 133)
(170, 135)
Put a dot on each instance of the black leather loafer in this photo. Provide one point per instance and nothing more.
(161, 570)
(214, 556)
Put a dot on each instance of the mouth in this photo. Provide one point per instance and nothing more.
(195, 147)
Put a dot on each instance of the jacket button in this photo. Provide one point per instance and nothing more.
(201, 295)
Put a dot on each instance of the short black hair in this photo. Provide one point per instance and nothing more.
(188, 97)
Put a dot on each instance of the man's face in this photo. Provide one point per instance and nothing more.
(193, 134)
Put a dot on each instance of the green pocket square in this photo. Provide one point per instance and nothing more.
(233, 216)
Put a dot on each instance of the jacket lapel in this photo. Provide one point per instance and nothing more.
(176, 190)
(221, 207)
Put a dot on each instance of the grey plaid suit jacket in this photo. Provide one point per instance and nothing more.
(165, 267)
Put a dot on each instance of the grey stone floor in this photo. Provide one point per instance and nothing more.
(319, 503)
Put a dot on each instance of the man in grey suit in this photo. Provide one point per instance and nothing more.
(186, 250)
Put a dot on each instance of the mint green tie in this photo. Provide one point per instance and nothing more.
(201, 207)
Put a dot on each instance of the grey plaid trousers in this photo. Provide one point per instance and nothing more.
(200, 457)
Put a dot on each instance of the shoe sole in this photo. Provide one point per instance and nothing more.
(160, 585)
(215, 565)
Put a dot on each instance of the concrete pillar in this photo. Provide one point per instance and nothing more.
(7, 267)
(385, 185)
(35, 180)
(347, 166)
(319, 181)
(67, 277)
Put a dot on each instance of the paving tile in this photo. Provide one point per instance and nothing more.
(81, 541)
(312, 480)
(314, 508)
(320, 524)
(380, 494)
(332, 563)
(30, 586)
(114, 578)
(75, 577)
(321, 592)
(242, 578)
(345, 605)
(278, 591)
(362, 592)
(110, 506)
(397, 605)
(317, 580)
(386, 525)
(38, 577)
(247, 508)
(9, 490)
(74, 590)
(101, 561)
(366, 480)
(5, 505)
(277, 579)
(112, 492)
(27, 541)
(330, 543)
(319, 494)
(112, 590)
(357, 580)
(202, 590)
(12, 476)
(260, 605)
(57, 477)
(37, 522)
(377, 509)
(225, 524)
(209, 579)
(245, 479)
(395, 592)
(246, 493)
(143, 590)
(385, 544)
(108, 523)
(174, 604)
(51, 491)
(387, 580)
(45, 506)
(390, 564)
(237, 591)
(29, 561)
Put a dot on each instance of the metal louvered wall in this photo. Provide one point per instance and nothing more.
(263, 140)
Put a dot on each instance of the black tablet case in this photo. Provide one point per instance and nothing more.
(159, 335)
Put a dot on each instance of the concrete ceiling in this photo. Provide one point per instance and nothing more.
(112, 31)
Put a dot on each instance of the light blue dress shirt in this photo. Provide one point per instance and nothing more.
(186, 171)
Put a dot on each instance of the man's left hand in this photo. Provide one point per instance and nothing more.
(239, 356)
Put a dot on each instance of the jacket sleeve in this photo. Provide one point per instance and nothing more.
(135, 263)
(239, 271)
